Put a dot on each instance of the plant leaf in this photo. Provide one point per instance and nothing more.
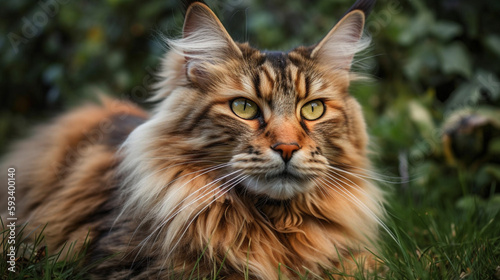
(446, 30)
(455, 60)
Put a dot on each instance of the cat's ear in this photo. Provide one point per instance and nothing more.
(204, 42)
(206, 34)
(337, 49)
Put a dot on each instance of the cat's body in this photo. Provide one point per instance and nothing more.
(248, 163)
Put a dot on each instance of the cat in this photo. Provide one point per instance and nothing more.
(250, 165)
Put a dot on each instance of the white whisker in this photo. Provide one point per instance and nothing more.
(204, 171)
(221, 192)
(347, 194)
(355, 185)
(198, 190)
(173, 215)
(374, 176)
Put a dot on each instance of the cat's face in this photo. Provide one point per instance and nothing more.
(276, 119)
(288, 121)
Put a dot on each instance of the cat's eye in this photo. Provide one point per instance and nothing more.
(244, 108)
(313, 110)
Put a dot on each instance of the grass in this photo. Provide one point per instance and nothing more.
(436, 240)
(442, 242)
(33, 261)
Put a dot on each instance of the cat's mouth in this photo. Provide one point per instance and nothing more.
(274, 178)
(285, 175)
(282, 185)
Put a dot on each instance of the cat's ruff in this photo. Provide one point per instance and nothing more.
(251, 161)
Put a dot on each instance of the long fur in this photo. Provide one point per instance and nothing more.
(193, 186)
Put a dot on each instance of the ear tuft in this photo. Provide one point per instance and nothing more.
(366, 6)
(187, 3)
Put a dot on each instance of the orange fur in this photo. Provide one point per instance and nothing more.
(62, 169)
(196, 182)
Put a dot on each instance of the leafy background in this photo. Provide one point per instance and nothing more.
(432, 106)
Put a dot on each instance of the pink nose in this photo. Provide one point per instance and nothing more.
(286, 150)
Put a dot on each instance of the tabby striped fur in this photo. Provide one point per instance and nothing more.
(194, 180)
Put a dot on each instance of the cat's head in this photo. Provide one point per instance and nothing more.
(277, 121)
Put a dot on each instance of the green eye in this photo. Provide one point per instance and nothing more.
(244, 108)
(313, 110)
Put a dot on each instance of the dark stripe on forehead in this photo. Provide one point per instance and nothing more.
(256, 85)
(298, 82)
(279, 62)
(307, 85)
(276, 58)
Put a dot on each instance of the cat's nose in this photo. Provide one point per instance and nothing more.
(286, 150)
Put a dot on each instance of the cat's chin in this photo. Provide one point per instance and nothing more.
(280, 187)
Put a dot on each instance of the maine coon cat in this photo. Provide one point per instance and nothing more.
(251, 162)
